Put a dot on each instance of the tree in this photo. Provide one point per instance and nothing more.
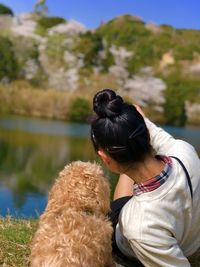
(89, 45)
(49, 22)
(8, 63)
(41, 8)
(174, 108)
(175, 95)
(80, 109)
(4, 10)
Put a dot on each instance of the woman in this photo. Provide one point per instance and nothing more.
(157, 201)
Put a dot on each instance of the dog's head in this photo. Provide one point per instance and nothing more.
(81, 186)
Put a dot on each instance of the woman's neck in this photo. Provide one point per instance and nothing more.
(145, 170)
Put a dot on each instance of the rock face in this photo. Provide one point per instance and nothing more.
(62, 77)
(153, 27)
(5, 22)
(132, 53)
(144, 88)
(167, 59)
(70, 28)
(193, 112)
(121, 56)
(24, 25)
(193, 68)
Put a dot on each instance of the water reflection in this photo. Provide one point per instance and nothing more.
(33, 151)
(30, 162)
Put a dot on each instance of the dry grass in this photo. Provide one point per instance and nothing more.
(21, 98)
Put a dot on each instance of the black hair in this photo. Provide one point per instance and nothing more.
(118, 128)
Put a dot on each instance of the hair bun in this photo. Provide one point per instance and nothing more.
(107, 104)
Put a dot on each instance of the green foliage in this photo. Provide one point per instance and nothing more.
(45, 23)
(123, 31)
(49, 22)
(89, 45)
(25, 48)
(56, 47)
(148, 47)
(179, 89)
(131, 33)
(4, 10)
(41, 8)
(79, 110)
(186, 43)
(161, 44)
(174, 108)
(107, 61)
(167, 28)
(144, 56)
(8, 63)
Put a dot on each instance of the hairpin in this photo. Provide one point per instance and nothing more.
(93, 137)
(115, 149)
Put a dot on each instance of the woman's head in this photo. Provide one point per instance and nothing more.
(119, 129)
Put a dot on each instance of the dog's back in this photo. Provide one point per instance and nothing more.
(72, 239)
(68, 236)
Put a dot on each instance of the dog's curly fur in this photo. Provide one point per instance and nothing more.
(74, 231)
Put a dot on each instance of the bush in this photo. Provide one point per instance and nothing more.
(175, 96)
(55, 49)
(179, 89)
(108, 61)
(89, 45)
(49, 22)
(8, 63)
(174, 108)
(4, 10)
(45, 23)
(123, 31)
(79, 110)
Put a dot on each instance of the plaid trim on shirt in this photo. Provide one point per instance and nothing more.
(156, 181)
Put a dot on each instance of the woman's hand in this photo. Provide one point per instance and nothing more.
(140, 110)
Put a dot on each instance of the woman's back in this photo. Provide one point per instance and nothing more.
(165, 222)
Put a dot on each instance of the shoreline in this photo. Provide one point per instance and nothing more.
(23, 100)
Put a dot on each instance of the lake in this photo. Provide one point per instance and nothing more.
(33, 151)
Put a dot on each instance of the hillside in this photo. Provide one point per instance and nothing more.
(156, 66)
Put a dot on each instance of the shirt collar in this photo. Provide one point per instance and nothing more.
(155, 182)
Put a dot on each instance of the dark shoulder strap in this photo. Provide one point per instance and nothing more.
(186, 173)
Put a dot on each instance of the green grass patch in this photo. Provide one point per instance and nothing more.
(15, 237)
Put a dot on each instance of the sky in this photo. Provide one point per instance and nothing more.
(177, 13)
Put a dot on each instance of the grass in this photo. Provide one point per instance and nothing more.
(15, 236)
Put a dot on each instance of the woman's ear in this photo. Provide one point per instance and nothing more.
(104, 157)
(108, 161)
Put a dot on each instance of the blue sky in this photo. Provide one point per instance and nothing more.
(178, 13)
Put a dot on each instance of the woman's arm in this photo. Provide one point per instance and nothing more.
(124, 187)
(161, 141)
(152, 255)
